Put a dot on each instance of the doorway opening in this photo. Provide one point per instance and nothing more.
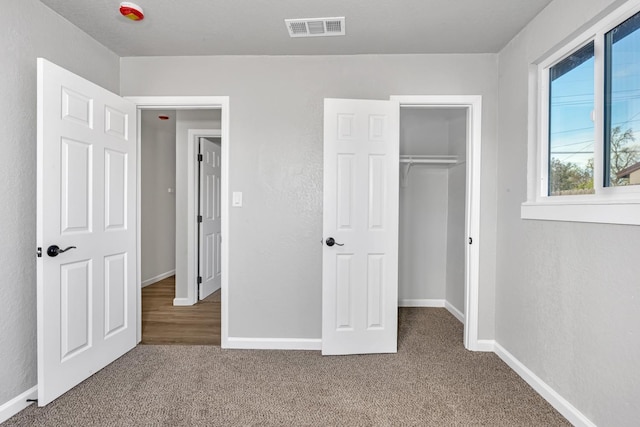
(168, 318)
(172, 313)
(194, 121)
(432, 242)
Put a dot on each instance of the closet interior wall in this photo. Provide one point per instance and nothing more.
(432, 208)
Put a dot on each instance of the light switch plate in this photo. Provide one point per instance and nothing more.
(237, 199)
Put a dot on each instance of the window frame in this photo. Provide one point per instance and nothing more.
(616, 205)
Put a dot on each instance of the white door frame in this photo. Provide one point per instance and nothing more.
(473, 105)
(190, 103)
(193, 138)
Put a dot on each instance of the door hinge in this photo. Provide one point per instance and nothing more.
(199, 218)
(199, 279)
(199, 157)
(39, 252)
(470, 241)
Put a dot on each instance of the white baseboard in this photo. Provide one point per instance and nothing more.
(567, 410)
(456, 313)
(17, 404)
(274, 343)
(156, 279)
(421, 303)
(182, 301)
(436, 303)
(485, 345)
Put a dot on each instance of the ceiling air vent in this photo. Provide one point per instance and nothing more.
(315, 27)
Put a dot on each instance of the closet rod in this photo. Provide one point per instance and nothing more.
(408, 161)
(434, 160)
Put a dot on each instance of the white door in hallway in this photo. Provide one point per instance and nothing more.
(86, 229)
(360, 227)
(210, 238)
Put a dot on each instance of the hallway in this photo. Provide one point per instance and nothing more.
(164, 323)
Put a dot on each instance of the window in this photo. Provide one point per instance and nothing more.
(571, 128)
(622, 104)
(588, 167)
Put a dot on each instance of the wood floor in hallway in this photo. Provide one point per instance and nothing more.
(164, 323)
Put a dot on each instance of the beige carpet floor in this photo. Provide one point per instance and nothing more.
(432, 381)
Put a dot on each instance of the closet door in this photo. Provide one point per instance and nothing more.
(360, 226)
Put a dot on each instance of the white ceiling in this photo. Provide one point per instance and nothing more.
(256, 27)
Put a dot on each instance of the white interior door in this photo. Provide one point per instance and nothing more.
(86, 202)
(360, 214)
(210, 228)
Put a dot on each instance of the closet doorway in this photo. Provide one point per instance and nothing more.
(440, 206)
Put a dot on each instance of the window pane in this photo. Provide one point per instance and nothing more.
(622, 104)
(571, 130)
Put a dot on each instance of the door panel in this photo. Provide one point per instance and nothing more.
(116, 123)
(86, 202)
(76, 189)
(77, 108)
(346, 181)
(360, 211)
(115, 284)
(75, 307)
(344, 292)
(377, 188)
(115, 190)
(375, 291)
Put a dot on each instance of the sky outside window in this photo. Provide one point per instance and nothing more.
(571, 130)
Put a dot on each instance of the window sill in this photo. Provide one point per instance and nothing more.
(596, 211)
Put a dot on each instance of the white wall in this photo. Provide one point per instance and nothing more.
(185, 120)
(28, 30)
(276, 113)
(456, 215)
(567, 294)
(422, 240)
(158, 174)
(422, 265)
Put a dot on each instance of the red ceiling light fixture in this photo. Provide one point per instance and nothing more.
(163, 117)
(131, 11)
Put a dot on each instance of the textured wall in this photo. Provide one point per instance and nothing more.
(456, 215)
(29, 30)
(422, 246)
(158, 159)
(567, 294)
(276, 113)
